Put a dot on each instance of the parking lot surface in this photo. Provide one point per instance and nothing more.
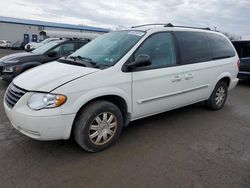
(188, 147)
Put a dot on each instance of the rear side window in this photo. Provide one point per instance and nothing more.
(239, 48)
(246, 51)
(221, 48)
(194, 47)
(242, 48)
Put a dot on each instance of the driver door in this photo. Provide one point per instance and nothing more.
(157, 88)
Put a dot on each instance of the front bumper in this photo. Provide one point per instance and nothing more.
(7, 78)
(54, 127)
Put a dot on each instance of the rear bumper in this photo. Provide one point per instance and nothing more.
(244, 75)
(233, 83)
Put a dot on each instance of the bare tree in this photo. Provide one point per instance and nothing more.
(231, 36)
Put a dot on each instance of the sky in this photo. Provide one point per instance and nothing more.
(231, 16)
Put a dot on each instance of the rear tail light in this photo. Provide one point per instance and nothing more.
(238, 64)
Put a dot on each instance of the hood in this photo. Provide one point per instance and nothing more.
(50, 75)
(16, 56)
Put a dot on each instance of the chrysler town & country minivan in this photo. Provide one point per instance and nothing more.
(120, 77)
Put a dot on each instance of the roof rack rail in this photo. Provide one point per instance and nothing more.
(171, 25)
(181, 26)
(148, 25)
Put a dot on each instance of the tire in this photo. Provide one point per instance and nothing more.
(218, 97)
(91, 121)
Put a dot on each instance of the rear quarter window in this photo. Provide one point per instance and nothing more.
(246, 51)
(194, 47)
(239, 47)
(221, 47)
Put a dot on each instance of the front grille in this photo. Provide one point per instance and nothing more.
(13, 94)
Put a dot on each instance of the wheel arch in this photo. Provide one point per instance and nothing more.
(118, 100)
(226, 77)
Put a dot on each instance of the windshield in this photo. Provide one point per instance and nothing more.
(47, 40)
(44, 48)
(109, 48)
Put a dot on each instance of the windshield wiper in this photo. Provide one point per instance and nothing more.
(67, 61)
(80, 57)
(85, 59)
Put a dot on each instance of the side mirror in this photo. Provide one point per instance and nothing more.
(140, 61)
(52, 54)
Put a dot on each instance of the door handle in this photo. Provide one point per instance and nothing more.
(176, 78)
(189, 76)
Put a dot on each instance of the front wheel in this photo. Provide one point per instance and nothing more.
(98, 126)
(218, 97)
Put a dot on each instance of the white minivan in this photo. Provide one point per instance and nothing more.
(120, 77)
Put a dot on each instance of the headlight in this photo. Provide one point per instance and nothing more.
(8, 69)
(40, 101)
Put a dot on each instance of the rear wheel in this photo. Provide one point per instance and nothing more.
(98, 126)
(218, 97)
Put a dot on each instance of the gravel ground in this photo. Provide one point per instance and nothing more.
(188, 147)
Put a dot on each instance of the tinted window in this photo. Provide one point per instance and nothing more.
(221, 48)
(64, 49)
(194, 47)
(246, 50)
(239, 48)
(160, 48)
(57, 49)
(80, 44)
(67, 49)
(44, 48)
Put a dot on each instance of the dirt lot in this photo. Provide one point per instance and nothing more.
(188, 147)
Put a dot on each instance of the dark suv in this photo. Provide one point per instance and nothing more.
(14, 64)
(243, 50)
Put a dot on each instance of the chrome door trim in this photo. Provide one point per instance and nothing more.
(171, 94)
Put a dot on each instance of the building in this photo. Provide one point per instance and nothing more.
(16, 29)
